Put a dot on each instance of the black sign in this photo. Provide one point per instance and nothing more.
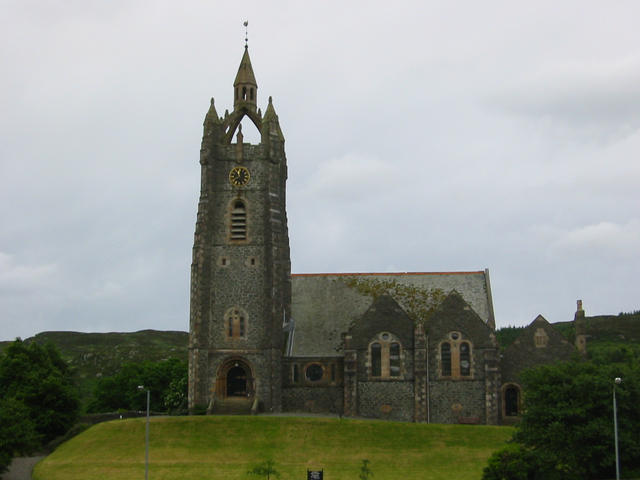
(314, 474)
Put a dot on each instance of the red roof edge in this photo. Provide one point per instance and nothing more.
(381, 274)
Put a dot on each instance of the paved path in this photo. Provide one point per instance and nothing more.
(21, 468)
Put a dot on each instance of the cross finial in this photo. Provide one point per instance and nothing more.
(246, 33)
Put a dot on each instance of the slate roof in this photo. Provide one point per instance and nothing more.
(323, 306)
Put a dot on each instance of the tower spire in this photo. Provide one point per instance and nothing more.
(245, 86)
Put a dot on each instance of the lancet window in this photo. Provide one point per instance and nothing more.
(385, 356)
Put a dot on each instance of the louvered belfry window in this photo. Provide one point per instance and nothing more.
(238, 221)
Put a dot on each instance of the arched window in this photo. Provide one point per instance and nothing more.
(236, 323)
(540, 338)
(385, 356)
(244, 93)
(465, 360)
(238, 221)
(445, 359)
(251, 93)
(456, 359)
(511, 401)
(376, 360)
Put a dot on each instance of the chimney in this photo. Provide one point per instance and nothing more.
(580, 328)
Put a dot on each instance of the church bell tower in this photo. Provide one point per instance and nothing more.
(241, 269)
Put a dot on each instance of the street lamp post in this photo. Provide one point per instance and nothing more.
(146, 440)
(617, 381)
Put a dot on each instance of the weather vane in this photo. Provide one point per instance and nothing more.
(246, 33)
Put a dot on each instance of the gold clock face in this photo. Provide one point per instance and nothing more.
(239, 176)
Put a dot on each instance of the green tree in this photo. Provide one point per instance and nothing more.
(38, 399)
(365, 471)
(566, 430)
(17, 431)
(165, 379)
(175, 399)
(265, 469)
(569, 416)
(37, 376)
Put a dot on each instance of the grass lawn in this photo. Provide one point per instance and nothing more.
(226, 447)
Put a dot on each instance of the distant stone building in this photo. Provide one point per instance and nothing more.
(262, 339)
(538, 344)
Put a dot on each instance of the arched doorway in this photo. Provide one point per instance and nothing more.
(235, 379)
(236, 382)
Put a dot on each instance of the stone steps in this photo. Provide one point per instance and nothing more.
(233, 406)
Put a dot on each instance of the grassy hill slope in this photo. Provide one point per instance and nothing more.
(93, 355)
(218, 447)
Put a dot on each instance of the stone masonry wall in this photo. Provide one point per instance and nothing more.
(457, 401)
(386, 400)
(316, 399)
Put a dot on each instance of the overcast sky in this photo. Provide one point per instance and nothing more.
(421, 136)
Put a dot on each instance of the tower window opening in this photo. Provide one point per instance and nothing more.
(236, 323)
(244, 93)
(251, 93)
(238, 221)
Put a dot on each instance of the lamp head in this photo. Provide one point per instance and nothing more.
(618, 380)
(140, 387)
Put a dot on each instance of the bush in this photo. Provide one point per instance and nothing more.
(516, 462)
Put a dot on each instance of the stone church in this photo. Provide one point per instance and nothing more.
(403, 346)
